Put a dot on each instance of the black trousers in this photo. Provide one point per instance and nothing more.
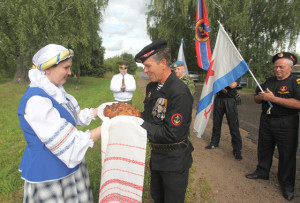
(283, 132)
(228, 107)
(169, 186)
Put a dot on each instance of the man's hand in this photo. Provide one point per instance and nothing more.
(266, 96)
(123, 88)
(224, 90)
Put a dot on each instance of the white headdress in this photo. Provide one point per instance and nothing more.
(50, 55)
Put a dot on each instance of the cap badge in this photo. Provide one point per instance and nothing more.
(280, 55)
(292, 58)
(123, 66)
(147, 54)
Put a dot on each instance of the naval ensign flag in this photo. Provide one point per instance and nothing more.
(226, 66)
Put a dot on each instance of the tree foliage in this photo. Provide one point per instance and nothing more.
(96, 67)
(258, 28)
(130, 58)
(112, 66)
(173, 20)
(26, 26)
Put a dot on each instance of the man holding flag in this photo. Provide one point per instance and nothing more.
(226, 66)
(225, 103)
(280, 126)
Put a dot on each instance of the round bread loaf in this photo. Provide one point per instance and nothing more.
(117, 109)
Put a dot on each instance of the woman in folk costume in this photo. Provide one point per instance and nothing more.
(53, 164)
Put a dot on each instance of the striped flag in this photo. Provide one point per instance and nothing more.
(181, 57)
(227, 65)
(202, 42)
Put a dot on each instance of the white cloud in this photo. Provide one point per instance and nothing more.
(124, 27)
(298, 46)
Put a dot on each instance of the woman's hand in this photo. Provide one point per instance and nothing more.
(95, 112)
(95, 133)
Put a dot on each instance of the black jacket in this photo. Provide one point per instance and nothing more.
(168, 115)
(287, 88)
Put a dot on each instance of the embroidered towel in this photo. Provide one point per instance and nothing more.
(123, 150)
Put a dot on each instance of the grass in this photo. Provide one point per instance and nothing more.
(206, 190)
(190, 194)
(12, 142)
(90, 92)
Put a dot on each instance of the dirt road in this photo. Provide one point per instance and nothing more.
(218, 169)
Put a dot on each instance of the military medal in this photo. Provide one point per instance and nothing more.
(160, 108)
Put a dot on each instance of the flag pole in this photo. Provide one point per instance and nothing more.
(258, 85)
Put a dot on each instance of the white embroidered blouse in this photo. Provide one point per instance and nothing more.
(60, 136)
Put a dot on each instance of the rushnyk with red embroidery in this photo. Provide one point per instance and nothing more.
(123, 150)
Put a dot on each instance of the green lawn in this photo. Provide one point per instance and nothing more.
(90, 92)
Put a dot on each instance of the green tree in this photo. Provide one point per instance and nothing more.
(26, 26)
(112, 66)
(173, 20)
(258, 28)
(96, 67)
(130, 58)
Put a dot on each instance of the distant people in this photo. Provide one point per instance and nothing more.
(53, 164)
(123, 84)
(167, 117)
(179, 68)
(280, 125)
(225, 103)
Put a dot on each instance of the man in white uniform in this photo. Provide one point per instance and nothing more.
(123, 84)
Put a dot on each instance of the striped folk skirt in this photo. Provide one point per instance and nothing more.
(74, 188)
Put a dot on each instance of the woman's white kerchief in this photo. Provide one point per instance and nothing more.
(50, 55)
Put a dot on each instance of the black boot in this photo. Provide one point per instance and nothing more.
(211, 146)
(258, 174)
(287, 192)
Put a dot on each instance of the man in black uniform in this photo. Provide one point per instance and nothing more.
(167, 117)
(225, 103)
(279, 125)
